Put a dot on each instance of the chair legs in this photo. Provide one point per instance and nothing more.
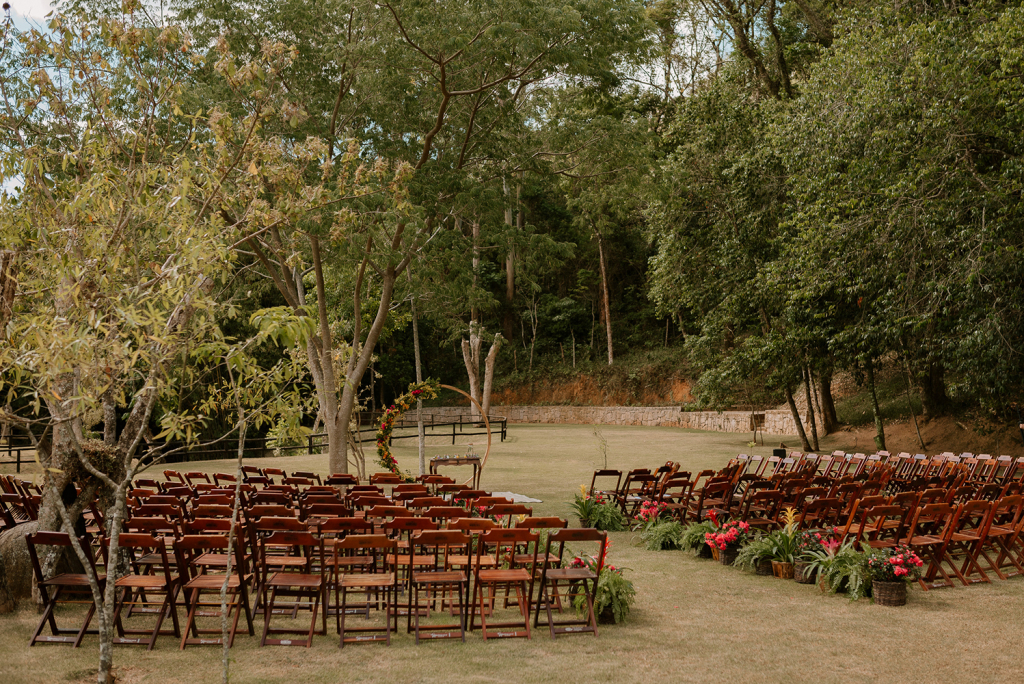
(168, 607)
(585, 588)
(268, 612)
(365, 634)
(450, 589)
(60, 635)
(486, 593)
(238, 601)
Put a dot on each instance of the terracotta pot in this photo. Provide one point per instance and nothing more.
(763, 568)
(782, 570)
(801, 574)
(889, 593)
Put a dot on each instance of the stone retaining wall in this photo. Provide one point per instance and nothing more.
(775, 422)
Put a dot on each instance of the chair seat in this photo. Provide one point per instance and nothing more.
(440, 576)
(527, 558)
(462, 561)
(570, 574)
(287, 561)
(146, 581)
(349, 561)
(293, 579)
(71, 580)
(924, 540)
(514, 575)
(404, 560)
(213, 582)
(368, 580)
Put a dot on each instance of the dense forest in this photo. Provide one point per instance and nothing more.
(221, 216)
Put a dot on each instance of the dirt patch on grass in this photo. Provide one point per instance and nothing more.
(948, 433)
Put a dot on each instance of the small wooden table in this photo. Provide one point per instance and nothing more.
(474, 461)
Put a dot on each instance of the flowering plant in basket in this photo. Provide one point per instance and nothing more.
(732, 534)
(898, 564)
(810, 542)
(649, 514)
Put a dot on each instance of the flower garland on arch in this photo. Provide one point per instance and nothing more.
(427, 389)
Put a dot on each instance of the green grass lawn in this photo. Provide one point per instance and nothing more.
(694, 620)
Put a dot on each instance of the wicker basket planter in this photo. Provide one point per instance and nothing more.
(714, 552)
(763, 568)
(889, 593)
(782, 570)
(801, 574)
(727, 556)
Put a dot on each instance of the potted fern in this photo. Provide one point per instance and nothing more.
(840, 566)
(662, 535)
(756, 556)
(615, 594)
(694, 538)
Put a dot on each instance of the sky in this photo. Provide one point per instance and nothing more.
(34, 9)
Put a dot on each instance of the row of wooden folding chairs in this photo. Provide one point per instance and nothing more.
(291, 561)
(982, 468)
(19, 501)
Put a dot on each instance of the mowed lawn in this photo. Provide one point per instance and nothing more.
(694, 620)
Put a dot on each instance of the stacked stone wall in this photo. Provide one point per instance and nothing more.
(776, 422)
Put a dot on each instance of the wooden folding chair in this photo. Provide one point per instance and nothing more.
(443, 515)
(504, 514)
(516, 577)
(137, 587)
(928, 536)
(438, 578)
(303, 580)
(969, 534)
(375, 578)
(871, 524)
(605, 490)
(713, 496)
(1003, 529)
(194, 561)
(579, 581)
(66, 587)
(821, 513)
(762, 509)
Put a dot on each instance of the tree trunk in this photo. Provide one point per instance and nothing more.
(471, 357)
(358, 365)
(109, 418)
(810, 407)
(829, 419)
(420, 433)
(604, 298)
(875, 410)
(932, 384)
(492, 356)
(796, 419)
(8, 286)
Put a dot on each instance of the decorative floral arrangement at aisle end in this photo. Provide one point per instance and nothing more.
(649, 514)
(731, 535)
(615, 594)
(597, 511)
(839, 566)
(427, 389)
(898, 564)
